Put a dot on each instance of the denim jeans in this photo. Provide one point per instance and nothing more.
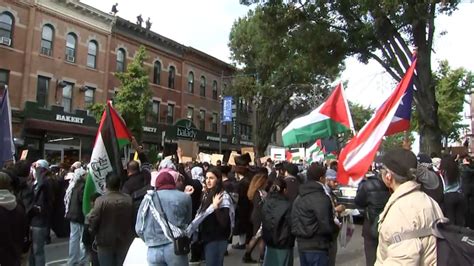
(112, 256)
(314, 258)
(214, 252)
(164, 255)
(77, 251)
(38, 235)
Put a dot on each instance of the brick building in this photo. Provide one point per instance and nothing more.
(59, 56)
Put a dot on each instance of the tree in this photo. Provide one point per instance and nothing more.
(360, 114)
(292, 71)
(132, 100)
(385, 31)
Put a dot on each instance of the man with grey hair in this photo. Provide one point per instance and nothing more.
(407, 211)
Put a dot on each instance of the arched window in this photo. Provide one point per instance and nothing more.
(71, 41)
(203, 87)
(156, 72)
(172, 72)
(47, 36)
(92, 54)
(214, 90)
(191, 82)
(6, 28)
(120, 60)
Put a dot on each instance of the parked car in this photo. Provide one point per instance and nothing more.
(346, 195)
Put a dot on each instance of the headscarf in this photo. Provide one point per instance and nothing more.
(197, 173)
(78, 173)
(165, 181)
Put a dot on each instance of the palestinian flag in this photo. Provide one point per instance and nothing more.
(329, 119)
(112, 136)
(315, 152)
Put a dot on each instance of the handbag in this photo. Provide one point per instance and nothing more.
(181, 244)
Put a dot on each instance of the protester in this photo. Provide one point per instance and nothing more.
(73, 203)
(243, 225)
(13, 223)
(256, 194)
(372, 195)
(312, 219)
(173, 207)
(111, 220)
(40, 212)
(135, 179)
(430, 181)
(216, 228)
(88, 238)
(276, 226)
(407, 209)
(330, 184)
(454, 202)
(467, 183)
(291, 180)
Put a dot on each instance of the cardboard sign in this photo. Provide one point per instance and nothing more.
(24, 154)
(252, 157)
(277, 154)
(232, 156)
(245, 150)
(189, 148)
(204, 157)
(186, 159)
(216, 157)
(263, 160)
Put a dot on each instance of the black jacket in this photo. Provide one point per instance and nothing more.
(133, 183)
(372, 195)
(276, 222)
(13, 231)
(40, 212)
(467, 180)
(75, 213)
(312, 218)
(292, 185)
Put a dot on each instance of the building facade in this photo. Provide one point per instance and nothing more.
(60, 56)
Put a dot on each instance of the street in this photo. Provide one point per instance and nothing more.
(352, 255)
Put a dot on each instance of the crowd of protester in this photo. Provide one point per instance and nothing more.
(269, 208)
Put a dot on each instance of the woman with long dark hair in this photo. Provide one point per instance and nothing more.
(454, 203)
(216, 228)
(256, 195)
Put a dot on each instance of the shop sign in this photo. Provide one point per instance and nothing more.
(216, 139)
(186, 129)
(70, 119)
(248, 143)
(150, 129)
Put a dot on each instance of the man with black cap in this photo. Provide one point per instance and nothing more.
(407, 211)
(243, 226)
(292, 183)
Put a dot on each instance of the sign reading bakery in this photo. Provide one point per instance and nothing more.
(69, 119)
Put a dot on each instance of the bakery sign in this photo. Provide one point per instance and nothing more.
(69, 119)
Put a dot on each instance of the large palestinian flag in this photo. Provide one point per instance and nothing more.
(111, 137)
(329, 119)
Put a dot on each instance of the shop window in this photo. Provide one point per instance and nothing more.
(156, 72)
(190, 113)
(89, 97)
(191, 82)
(71, 41)
(4, 76)
(67, 97)
(214, 122)
(171, 75)
(6, 28)
(214, 90)
(47, 36)
(92, 54)
(121, 56)
(202, 120)
(42, 91)
(203, 87)
(170, 114)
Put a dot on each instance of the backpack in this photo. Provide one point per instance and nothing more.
(455, 244)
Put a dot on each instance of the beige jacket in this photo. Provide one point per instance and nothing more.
(407, 209)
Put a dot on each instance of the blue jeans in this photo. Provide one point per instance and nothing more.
(77, 251)
(38, 239)
(112, 256)
(214, 252)
(314, 258)
(164, 255)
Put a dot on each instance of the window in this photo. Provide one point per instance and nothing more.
(191, 82)
(6, 28)
(120, 60)
(47, 40)
(170, 114)
(214, 122)
(156, 72)
(171, 75)
(190, 113)
(67, 97)
(42, 89)
(202, 120)
(4, 76)
(89, 96)
(92, 54)
(154, 116)
(71, 47)
(214, 90)
(202, 90)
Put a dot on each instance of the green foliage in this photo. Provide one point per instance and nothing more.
(97, 109)
(291, 63)
(132, 100)
(396, 141)
(360, 114)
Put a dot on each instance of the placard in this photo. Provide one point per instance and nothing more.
(186, 159)
(232, 156)
(24, 154)
(216, 157)
(263, 160)
(189, 148)
(204, 157)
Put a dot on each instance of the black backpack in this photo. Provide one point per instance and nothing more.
(455, 244)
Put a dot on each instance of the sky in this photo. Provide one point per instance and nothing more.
(206, 24)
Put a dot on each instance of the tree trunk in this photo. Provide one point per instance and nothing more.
(430, 139)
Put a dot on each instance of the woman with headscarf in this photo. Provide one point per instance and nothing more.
(454, 203)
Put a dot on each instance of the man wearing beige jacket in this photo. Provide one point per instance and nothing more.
(408, 209)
